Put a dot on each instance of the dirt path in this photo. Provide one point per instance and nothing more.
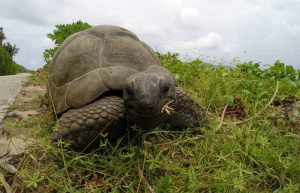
(10, 86)
(17, 128)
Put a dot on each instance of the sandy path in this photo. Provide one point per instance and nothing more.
(10, 86)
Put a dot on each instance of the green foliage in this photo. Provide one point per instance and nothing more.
(7, 51)
(164, 185)
(59, 34)
(7, 66)
(20, 68)
(258, 154)
(223, 84)
(2, 35)
(11, 49)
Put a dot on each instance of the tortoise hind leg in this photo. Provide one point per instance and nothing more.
(187, 111)
(83, 127)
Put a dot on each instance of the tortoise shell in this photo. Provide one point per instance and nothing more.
(94, 61)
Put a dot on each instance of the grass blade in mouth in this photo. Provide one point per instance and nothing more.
(166, 108)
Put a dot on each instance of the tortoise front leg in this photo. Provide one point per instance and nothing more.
(84, 126)
(187, 112)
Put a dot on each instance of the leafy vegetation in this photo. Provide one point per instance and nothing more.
(7, 51)
(251, 145)
(255, 148)
(2, 35)
(59, 34)
(12, 49)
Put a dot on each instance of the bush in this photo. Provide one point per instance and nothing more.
(20, 68)
(7, 66)
(59, 34)
(254, 149)
(7, 51)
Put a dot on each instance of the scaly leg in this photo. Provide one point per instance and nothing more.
(187, 112)
(82, 127)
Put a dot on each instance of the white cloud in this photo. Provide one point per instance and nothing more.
(143, 28)
(213, 41)
(34, 12)
(183, 16)
(211, 44)
(266, 30)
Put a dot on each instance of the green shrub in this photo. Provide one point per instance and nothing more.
(59, 34)
(7, 66)
(258, 154)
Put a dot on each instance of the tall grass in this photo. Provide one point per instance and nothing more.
(255, 148)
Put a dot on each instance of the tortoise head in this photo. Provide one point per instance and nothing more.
(145, 93)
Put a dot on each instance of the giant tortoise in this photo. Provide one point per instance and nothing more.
(104, 80)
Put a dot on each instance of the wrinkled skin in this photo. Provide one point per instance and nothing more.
(146, 93)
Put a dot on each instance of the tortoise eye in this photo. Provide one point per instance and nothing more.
(164, 88)
(129, 89)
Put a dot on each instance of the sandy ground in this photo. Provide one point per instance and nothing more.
(10, 86)
(14, 139)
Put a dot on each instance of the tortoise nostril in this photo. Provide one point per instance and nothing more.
(149, 108)
(146, 109)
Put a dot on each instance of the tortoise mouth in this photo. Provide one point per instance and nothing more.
(142, 112)
(148, 112)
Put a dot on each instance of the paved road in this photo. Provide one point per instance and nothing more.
(10, 86)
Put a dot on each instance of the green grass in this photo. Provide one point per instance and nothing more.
(260, 154)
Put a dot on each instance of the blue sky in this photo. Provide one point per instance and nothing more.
(215, 30)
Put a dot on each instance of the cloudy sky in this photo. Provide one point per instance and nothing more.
(215, 31)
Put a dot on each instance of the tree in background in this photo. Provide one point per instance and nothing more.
(7, 51)
(2, 36)
(6, 63)
(12, 49)
(59, 34)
